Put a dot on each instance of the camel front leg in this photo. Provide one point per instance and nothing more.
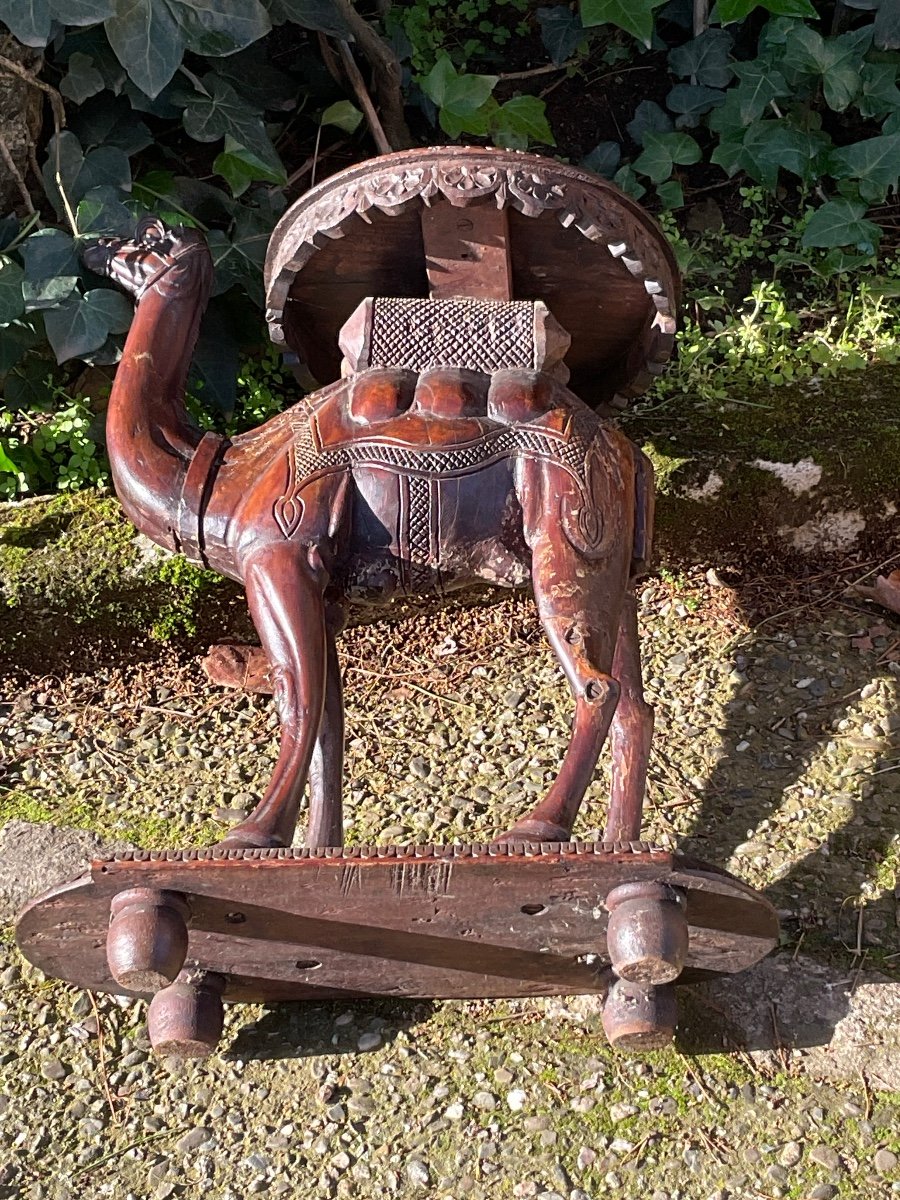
(285, 585)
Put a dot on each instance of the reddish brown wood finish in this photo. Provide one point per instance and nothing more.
(418, 921)
(442, 456)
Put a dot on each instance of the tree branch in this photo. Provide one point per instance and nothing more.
(387, 74)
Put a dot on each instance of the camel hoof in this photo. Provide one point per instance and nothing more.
(532, 831)
(249, 837)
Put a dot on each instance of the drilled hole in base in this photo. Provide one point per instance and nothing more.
(307, 964)
(533, 910)
(235, 918)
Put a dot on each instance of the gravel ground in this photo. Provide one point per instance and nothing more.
(776, 755)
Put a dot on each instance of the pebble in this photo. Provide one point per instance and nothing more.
(486, 1101)
(516, 1099)
(884, 1161)
(417, 1173)
(368, 1041)
(826, 1157)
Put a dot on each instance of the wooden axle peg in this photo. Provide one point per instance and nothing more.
(185, 1019)
(647, 934)
(147, 939)
(639, 1018)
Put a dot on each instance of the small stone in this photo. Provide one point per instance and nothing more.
(417, 1173)
(884, 1161)
(485, 1100)
(516, 1099)
(193, 1139)
(790, 1154)
(368, 1041)
(823, 1191)
(621, 1111)
(53, 1070)
(454, 1112)
(826, 1157)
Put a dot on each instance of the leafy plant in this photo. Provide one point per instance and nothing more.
(466, 104)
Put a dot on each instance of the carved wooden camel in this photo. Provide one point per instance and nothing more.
(436, 294)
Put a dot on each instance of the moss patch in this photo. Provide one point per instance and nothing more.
(848, 425)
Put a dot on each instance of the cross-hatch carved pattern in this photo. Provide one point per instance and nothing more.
(480, 335)
(576, 200)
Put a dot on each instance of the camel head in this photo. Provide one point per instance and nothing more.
(166, 258)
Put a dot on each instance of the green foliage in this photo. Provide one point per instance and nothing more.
(461, 29)
(50, 450)
(799, 319)
(466, 104)
(634, 16)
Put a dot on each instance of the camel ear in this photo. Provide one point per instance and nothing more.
(150, 230)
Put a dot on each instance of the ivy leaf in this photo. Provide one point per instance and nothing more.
(662, 151)
(692, 100)
(49, 252)
(240, 167)
(604, 159)
(887, 25)
(796, 150)
(344, 115)
(671, 194)
(628, 182)
(82, 12)
(18, 337)
(12, 302)
(320, 15)
(28, 20)
(267, 88)
(648, 118)
(760, 85)
(147, 42)
(114, 307)
(635, 18)
(215, 363)
(526, 117)
(735, 10)
(107, 166)
(841, 222)
(101, 211)
(704, 59)
(745, 150)
(51, 268)
(561, 32)
(222, 111)
(880, 93)
(874, 163)
(837, 61)
(82, 80)
(110, 121)
(221, 28)
(460, 95)
(78, 326)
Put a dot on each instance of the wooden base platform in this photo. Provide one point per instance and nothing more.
(415, 921)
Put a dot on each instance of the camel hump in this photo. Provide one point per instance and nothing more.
(461, 223)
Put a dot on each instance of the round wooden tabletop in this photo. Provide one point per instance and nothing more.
(576, 241)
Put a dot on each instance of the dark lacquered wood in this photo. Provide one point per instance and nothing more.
(442, 298)
(184, 1019)
(400, 482)
(147, 939)
(420, 921)
(639, 1018)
